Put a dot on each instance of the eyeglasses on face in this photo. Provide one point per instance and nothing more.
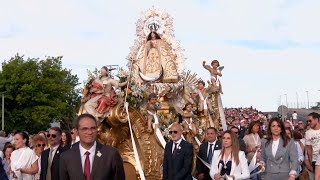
(88, 128)
(43, 145)
(51, 135)
(171, 132)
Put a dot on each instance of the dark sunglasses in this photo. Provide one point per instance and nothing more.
(52, 135)
(43, 145)
(175, 132)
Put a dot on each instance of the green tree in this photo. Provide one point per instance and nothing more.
(317, 107)
(39, 91)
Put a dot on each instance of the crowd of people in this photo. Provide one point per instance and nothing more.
(59, 154)
(261, 148)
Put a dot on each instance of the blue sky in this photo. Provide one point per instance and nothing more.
(269, 48)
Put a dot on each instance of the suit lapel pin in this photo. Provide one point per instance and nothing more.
(179, 147)
(99, 154)
(217, 145)
(57, 152)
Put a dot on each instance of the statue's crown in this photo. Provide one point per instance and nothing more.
(153, 27)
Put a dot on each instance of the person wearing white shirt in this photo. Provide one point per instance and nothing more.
(24, 161)
(295, 117)
(229, 162)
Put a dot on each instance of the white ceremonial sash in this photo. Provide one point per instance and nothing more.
(136, 155)
(205, 106)
(204, 162)
(221, 112)
(157, 131)
(252, 165)
(197, 140)
(211, 122)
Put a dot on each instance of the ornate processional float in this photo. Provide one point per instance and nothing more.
(135, 112)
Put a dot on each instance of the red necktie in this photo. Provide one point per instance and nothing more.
(87, 166)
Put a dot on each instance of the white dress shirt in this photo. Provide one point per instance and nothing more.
(179, 141)
(92, 152)
(213, 144)
(275, 144)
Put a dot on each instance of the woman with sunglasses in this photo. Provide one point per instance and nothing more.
(39, 145)
(44, 135)
(279, 154)
(229, 162)
(24, 161)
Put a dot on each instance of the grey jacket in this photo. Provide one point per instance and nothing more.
(285, 160)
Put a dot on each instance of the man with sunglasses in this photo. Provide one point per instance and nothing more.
(88, 159)
(242, 144)
(50, 157)
(178, 156)
(206, 151)
(312, 137)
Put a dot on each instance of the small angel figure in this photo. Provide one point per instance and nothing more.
(215, 72)
(188, 123)
(204, 103)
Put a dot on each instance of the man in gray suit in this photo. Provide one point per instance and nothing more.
(88, 159)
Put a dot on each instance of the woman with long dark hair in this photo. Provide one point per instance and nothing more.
(279, 153)
(24, 161)
(66, 139)
(253, 139)
(229, 162)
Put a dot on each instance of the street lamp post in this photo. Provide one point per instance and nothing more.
(3, 109)
(297, 100)
(286, 100)
(308, 98)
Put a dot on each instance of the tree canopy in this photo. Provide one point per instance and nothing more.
(38, 91)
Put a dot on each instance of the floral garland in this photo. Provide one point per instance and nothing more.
(135, 91)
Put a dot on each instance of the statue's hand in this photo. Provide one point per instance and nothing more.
(204, 62)
(220, 68)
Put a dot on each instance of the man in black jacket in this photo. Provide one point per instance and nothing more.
(50, 157)
(206, 152)
(178, 155)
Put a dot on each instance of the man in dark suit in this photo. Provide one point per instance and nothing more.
(206, 153)
(242, 130)
(178, 155)
(50, 157)
(88, 159)
(242, 144)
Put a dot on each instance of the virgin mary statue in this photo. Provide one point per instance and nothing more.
(156, 60)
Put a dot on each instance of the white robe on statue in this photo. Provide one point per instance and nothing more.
(22, 158)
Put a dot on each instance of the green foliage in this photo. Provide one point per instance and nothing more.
(317, 107)
(39, 91)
